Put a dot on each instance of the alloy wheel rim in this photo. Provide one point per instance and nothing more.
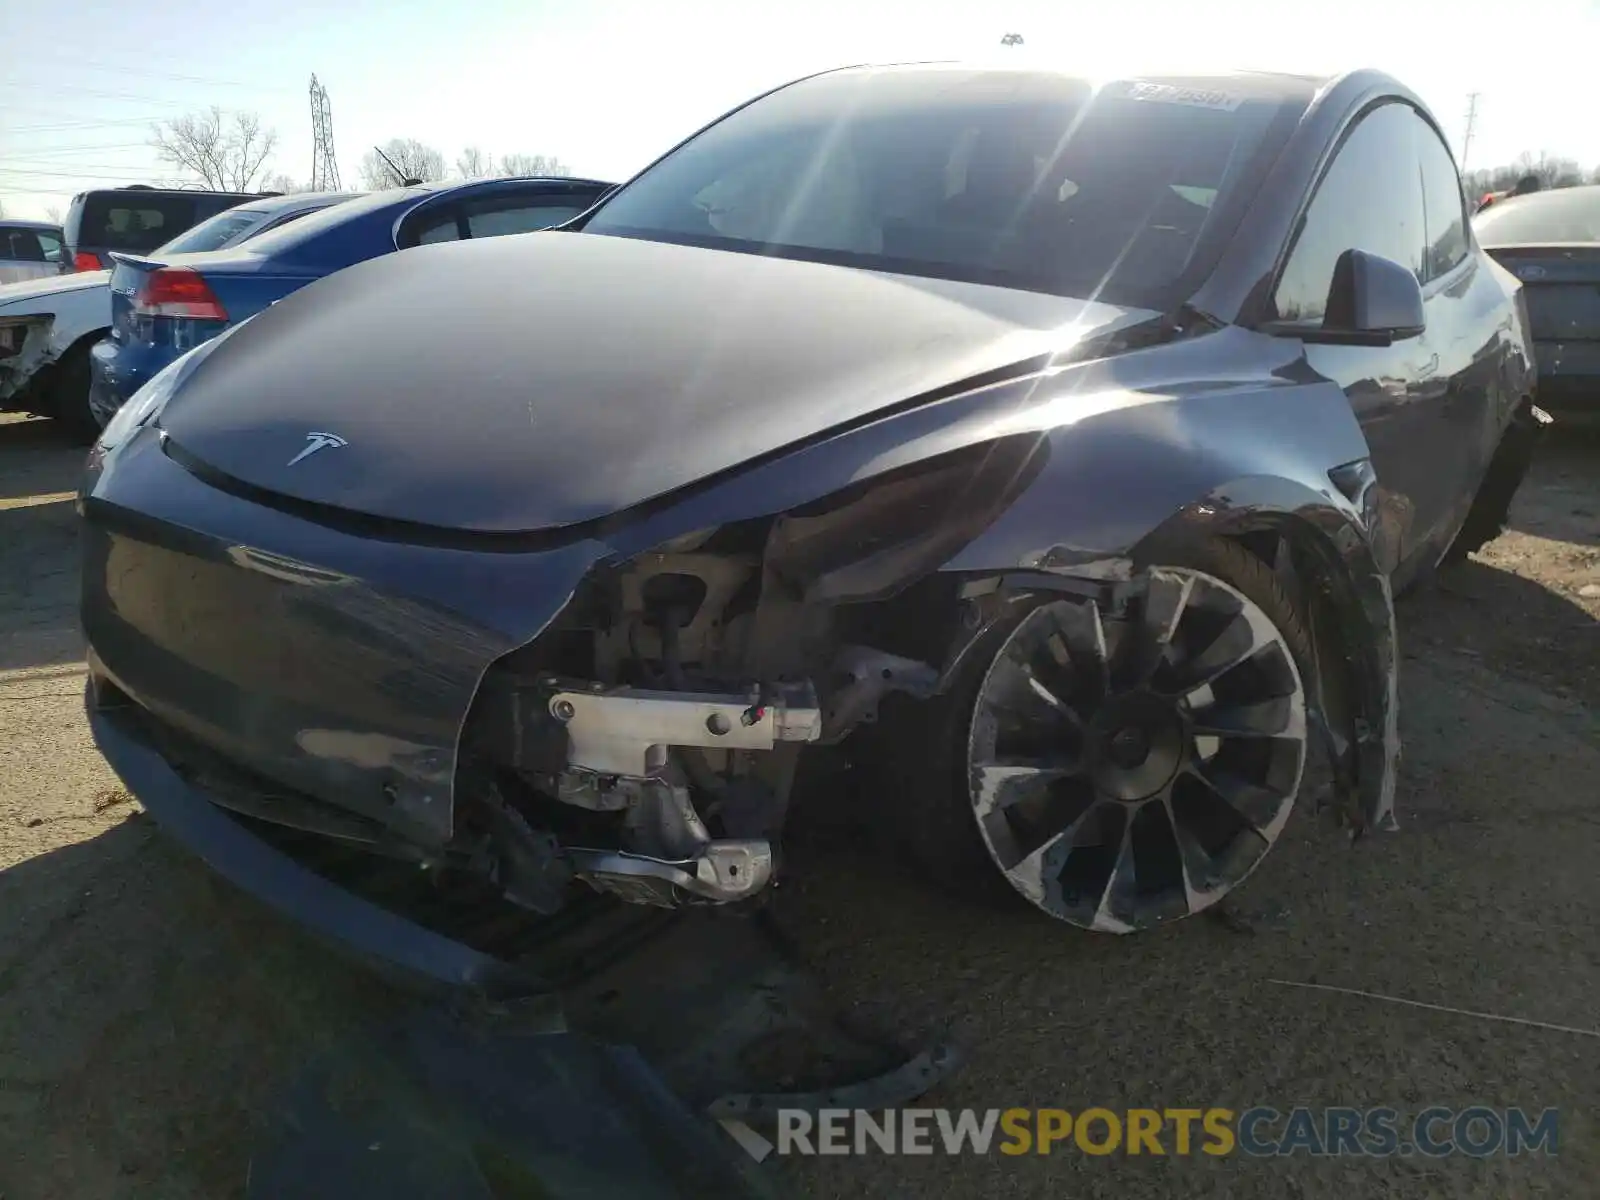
(1126, 773)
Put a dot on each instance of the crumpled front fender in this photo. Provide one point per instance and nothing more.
(1285, 458)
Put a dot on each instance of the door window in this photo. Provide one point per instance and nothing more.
(1443, 204)
(21, 245)
(1370, 199)
(52, 247)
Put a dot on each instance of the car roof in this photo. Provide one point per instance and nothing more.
(139, 189)
(492, 181)
(1265, 85)
(290, 200)
(19, 223)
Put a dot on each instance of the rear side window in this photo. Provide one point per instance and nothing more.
(1443, 205)
(1370, 199)
(132, 222)
(51, 244)
(21, 245)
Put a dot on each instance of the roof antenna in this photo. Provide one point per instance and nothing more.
(405, 180)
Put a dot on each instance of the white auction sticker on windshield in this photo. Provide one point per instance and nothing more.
(1166, 93)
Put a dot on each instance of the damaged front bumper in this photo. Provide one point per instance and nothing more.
(26, 348)
(335, 700)
(640, 1031)
(327, 910)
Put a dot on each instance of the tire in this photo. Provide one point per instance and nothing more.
(929, 798)
(69, 396)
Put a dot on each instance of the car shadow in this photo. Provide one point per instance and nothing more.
(39, 470)
(1560, 499)
(150, 1015)
(1512, 626)
(36, 453)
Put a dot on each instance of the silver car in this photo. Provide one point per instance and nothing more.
(48, 325)
(30, 250)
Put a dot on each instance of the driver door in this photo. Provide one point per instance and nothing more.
(1371, 199)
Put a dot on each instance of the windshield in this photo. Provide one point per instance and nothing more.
(1544, 218)
(1038, 181)
(215, 233)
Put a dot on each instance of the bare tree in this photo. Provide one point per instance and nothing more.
(411, 159)
(475, 163)
(532, 164)
(2, 209)
(282, 182)
(224, 151)
(1552, 170)
(53, 214)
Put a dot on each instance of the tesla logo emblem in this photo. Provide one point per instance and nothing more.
(318, 441)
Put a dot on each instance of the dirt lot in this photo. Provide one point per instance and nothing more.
(147, 1011)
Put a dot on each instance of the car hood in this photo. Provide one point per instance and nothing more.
(25, 293)
(542, 380)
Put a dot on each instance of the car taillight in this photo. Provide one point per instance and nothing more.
(178, 292)
(85, 260)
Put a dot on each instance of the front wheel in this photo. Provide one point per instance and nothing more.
(1122, 773)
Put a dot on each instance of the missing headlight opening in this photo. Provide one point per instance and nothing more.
(653, 731)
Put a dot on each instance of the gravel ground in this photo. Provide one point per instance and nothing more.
(147, 1011)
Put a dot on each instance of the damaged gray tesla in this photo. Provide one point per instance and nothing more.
(1053, 447)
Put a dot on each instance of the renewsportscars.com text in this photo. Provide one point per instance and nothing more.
(1478, 1131)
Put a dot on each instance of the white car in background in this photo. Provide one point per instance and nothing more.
(30, 250)
(47, 325)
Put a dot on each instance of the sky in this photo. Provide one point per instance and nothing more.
(607, 85)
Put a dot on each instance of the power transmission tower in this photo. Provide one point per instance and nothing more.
(324, 166)
(1472, 121)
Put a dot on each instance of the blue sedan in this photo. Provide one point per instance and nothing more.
(161, 307)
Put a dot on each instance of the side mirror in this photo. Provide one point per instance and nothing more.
(1372, 302)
